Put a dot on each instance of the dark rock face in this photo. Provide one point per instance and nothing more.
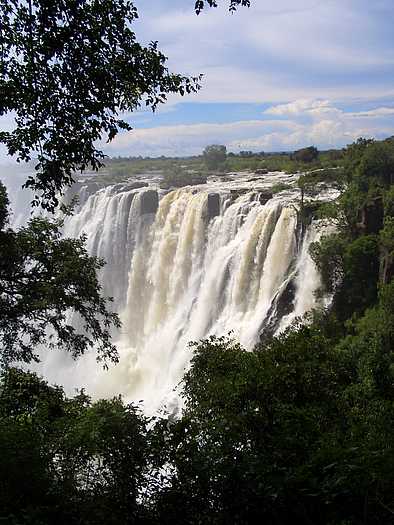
(213, 205)
(89, 188)
(261, 171)
(186, 179)
(149, 202)
(372, 216)
(265, 197)
(71, 192)
(282, 305)
(235, 193)
(135, 185)
(386, 267)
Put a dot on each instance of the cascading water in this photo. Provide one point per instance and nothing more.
(183, 265)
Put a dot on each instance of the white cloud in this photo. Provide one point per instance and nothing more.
(7, 122)
(300, 107)
(278, 51)
(298, 123)
(318, 109)
(190, 139)
(373, 113)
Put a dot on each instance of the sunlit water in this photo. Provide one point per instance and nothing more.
(211, 259)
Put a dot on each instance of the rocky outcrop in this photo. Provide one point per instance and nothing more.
(386, 270)
(255, 179)
(149, 202)
(213, 205)
(308, 212)
(81, 189)
(181, 180)
(135, 185)
(282, 305)
(371, 216)
(265, 196)
(239, 191)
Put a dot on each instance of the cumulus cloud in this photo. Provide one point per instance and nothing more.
(319, 108)
(300, 107)
(191, 139)
(282, 127)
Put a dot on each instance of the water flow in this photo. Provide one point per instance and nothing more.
(183, 272)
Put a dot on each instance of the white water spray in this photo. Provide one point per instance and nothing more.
(181, 268)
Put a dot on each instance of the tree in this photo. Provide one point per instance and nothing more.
(45, 280)
(246, 153)
(253, 435)
(377, 162)
(68, 460)
(215, 156)
(175, 176)
(355, 260)
(68, 69)
(297, 431)
(306, 154)
(200, 4)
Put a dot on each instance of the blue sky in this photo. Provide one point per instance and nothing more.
(278, 76)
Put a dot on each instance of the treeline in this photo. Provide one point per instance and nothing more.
(301, 430)
(216, 159)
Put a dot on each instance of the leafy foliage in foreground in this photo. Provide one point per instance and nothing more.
(44, 281)
(301, 430)
(68, 69)
(200, 4)
(67, 461)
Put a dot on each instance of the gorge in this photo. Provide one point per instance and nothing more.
(184, 264)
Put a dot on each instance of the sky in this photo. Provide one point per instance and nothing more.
(280, 75)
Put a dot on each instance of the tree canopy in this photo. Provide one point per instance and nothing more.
(68, 461)
(215, 156)
(306, 154)
(69, 69)
(200, 4)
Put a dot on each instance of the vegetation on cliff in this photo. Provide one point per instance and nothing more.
(301, 430)
(121, 168)
(298, 431)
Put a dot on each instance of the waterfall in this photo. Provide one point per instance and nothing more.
(182, 265)
(113, 225)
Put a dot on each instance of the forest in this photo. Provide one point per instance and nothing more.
(298, 430)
